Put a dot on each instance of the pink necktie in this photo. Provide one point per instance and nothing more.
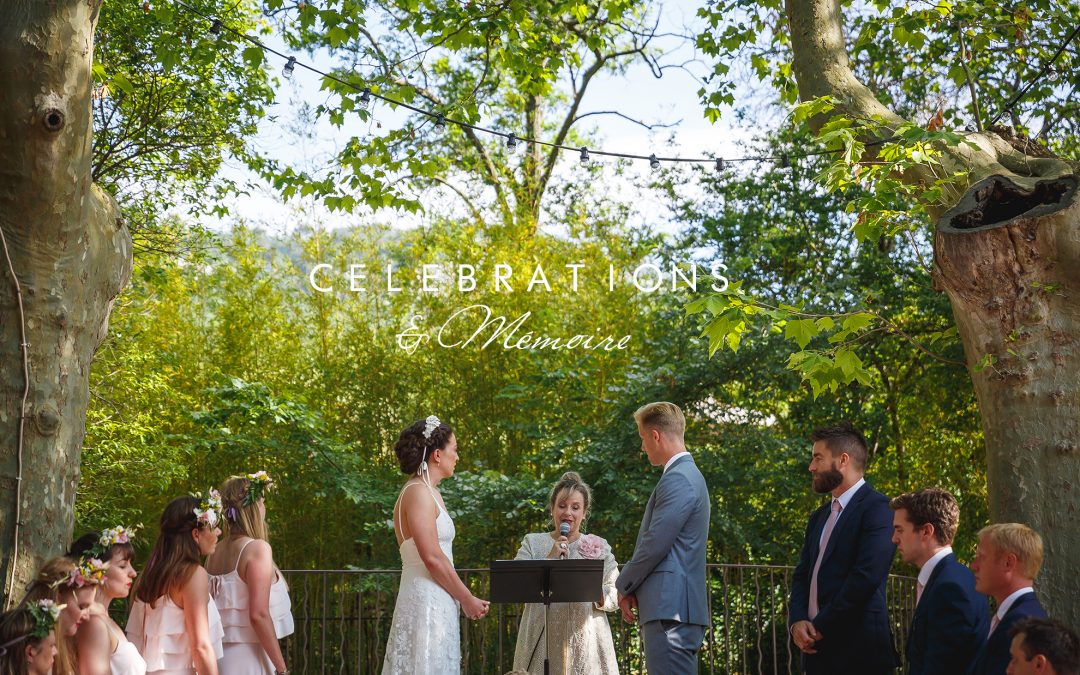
(994, 621)
(825, 534)
(918, 592)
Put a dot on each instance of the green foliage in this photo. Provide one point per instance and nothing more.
(935, 53)
(171, 102)
(501, 67)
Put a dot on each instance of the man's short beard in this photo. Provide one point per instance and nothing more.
(828, 480)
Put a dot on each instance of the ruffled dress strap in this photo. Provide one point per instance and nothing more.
(234, 602)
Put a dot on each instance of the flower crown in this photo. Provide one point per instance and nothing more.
(109, 538)
(259, 483)
(89, 572)
(45, 613)
(209, 509)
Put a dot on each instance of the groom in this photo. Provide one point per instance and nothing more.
(665, 579)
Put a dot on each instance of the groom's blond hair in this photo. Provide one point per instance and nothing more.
(665, 417)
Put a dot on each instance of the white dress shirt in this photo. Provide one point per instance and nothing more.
(929, 565)
(1003, 608)
(672, 460)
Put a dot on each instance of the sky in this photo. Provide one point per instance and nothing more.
(638, 94)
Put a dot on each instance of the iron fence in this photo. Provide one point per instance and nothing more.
(343, 618)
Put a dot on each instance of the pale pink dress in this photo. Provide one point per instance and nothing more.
(159, 634)
(243, 655)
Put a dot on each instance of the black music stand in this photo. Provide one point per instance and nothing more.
(547, 581)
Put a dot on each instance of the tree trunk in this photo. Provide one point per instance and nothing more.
(1007, 255)
(1015, 293)
(71, 255)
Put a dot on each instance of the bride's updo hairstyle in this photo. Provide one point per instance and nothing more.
(571, 482)
(412, 447)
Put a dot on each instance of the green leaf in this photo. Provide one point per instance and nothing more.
(801, 331)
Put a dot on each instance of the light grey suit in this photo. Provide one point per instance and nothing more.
(667, 571)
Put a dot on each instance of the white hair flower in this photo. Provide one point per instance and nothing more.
(430, 425)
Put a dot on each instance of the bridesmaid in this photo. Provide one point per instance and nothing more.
(174, 622)
(61, 582)
(250, 593)
(103, 649)
(28, 639)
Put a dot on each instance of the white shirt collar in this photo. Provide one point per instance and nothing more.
(846, 497)
(1003, 608)
(672, 460)
(929, 565)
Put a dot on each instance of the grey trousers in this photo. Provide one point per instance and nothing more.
(671, 647)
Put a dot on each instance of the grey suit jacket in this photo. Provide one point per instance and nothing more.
(667, 571)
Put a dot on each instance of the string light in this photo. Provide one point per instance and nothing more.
(215, 28)
(654, 163)
(367, 97)
(785, 161)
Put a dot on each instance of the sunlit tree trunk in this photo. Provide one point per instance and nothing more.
(1008, 256)
(71, 255)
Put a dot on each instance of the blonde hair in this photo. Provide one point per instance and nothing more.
(239, 518)
(571, 482)
(51, 584)
(1018, 539)
(665, 417)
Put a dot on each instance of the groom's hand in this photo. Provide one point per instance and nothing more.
(628, 604)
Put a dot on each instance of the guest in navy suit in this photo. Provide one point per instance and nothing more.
(1005, 566)
(1043, 647)
(951, 618)
(837, 611)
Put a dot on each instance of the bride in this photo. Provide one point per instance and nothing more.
(424, 636)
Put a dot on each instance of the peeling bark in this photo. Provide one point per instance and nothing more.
(1007, 254)
(71, 253)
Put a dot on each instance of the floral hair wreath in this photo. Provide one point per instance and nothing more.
(209, 510)
(45, 613)
(111, 537)
(89, 572)
(259, 483)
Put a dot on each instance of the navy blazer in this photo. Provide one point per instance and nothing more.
(852, 617)
(950, 622)
(993, 657)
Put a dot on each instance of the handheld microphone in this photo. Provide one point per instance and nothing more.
(564, 530)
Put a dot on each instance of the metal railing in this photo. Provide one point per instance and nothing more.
(343, 619)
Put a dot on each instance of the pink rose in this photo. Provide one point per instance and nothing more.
(591, 546)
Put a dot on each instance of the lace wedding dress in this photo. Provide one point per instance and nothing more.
(425, 638)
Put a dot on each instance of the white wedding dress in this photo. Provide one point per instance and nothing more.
(425, 638)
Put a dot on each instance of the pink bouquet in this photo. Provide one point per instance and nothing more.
(591, 546)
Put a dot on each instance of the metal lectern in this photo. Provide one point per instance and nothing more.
(547, 581)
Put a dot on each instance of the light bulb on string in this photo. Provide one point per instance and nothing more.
(365, 99)
(719, 164)
(654, 163)
(785, 161)
(512, 144)
(290, 66)
(215, 28)
(584, 157)
(440, 124)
